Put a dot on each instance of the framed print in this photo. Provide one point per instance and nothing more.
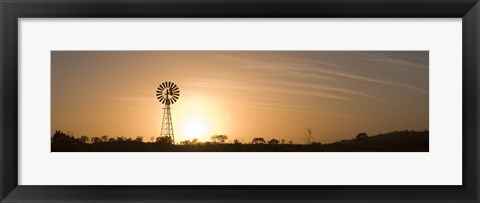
(244, 85)
(229, 101)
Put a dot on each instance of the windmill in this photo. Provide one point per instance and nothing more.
(167, 93)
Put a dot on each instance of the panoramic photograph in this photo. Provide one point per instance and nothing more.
(239, 101)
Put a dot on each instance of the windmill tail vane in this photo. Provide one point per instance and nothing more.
(167, 93)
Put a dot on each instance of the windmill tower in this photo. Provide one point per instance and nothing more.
(167, 93)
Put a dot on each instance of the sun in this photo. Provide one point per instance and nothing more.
(194, 128)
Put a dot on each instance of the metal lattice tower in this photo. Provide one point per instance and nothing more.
(167, 93)
(167, 126)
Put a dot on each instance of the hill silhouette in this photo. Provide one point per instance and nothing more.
(396, 141)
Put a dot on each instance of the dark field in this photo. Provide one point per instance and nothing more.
(397, 141)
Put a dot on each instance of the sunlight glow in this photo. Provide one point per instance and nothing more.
(194, 128)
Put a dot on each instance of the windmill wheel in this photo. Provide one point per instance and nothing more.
(168, 93)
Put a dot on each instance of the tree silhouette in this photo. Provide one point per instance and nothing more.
(186, 142)
(104, 138)
(96, 140)
(139, 139)
(219, 138)
(258, 140)
(362, 136)
(273, 141)
(307, 135)
(60, 139)
(396, 141)
(283, 141)
(84, 139)
(164, 140)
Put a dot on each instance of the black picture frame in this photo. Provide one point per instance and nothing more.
(12, 10)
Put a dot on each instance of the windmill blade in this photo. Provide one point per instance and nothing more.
(168, 92)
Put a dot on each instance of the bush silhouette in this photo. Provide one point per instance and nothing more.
(186, 142)
(258, 140)
(273, 141)
(236, 141)
(84, 139)
(164, 140)
(362, 136)
(396, 141)
(95, 140)
(139, 139)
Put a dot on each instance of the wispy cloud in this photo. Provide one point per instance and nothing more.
(131, 99)
(419, 64)
(252, 87)
(319, 69)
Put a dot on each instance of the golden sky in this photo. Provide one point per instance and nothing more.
(243, 94)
